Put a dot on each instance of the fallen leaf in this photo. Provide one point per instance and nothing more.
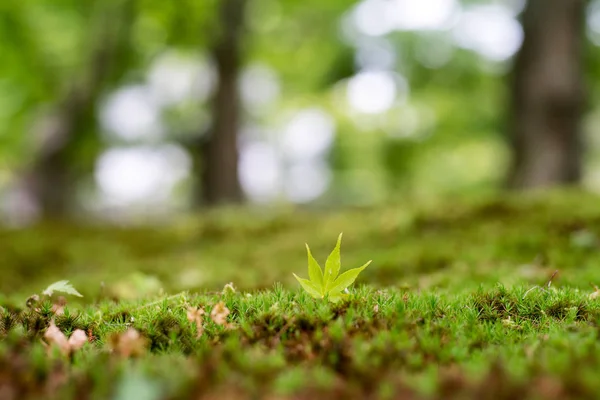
(55, 337)
(129, 343)
(195, 315)
(77, 340)
(219, 313)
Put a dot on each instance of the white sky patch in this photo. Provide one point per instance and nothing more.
(140, 174)
(174, 78)
(593, 22)
(371, 17)
(307, 181)
(260, 87)
(375, 92)
(490, 30)
(131, 114)
(309, 134)
(260, 171)
(515, 6)
(375, 53)
(380, 17)
(414, 15)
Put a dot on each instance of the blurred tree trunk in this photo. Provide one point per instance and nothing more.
(219, 178)
(50, 181)
(548, 95)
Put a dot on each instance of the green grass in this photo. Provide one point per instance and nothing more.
(283, 342)
(448, 309)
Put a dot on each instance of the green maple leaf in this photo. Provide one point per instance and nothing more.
(328, 283)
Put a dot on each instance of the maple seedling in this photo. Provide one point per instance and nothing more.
(326, 283)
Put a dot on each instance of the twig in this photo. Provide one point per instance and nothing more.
(551, 278)
(541, 288)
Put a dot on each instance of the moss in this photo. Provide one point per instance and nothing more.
(456, 305)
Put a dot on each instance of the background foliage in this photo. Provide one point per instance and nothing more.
(338, 108)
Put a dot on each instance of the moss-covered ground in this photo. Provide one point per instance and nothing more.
(462, 301)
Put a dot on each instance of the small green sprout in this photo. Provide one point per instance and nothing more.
(327, 284)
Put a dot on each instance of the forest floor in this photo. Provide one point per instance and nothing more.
(462, 300)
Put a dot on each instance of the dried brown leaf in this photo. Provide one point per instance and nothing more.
(219, 313)
(77, 340)
(55, 337)
(129, 344)
(195, 315)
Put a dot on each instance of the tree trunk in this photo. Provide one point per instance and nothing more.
(548, 95)
(219, 177)
(50, 181)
